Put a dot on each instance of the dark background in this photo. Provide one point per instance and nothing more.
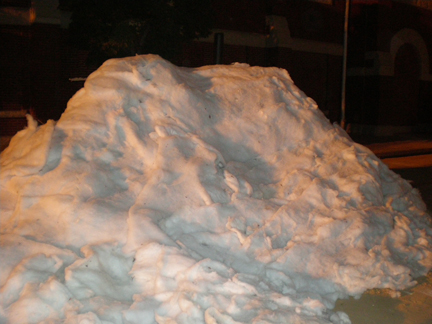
(389, 79)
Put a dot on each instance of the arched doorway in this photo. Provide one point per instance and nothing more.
(406, 86)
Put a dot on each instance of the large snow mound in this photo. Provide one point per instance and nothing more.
(212, 195)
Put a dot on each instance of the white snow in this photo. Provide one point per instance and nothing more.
(212, 195)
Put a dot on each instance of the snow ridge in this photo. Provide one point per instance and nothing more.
(219, 194)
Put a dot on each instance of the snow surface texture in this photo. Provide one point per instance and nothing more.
(212, 195)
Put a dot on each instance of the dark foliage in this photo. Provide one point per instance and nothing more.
(119, 28)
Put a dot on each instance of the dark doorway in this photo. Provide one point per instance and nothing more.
(405, 97)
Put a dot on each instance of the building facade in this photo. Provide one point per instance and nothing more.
(389, 79)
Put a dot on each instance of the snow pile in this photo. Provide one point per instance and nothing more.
(211, 195)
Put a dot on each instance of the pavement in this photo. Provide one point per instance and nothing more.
(377, 306)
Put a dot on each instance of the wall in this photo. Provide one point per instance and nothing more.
(304, 37)
(389, 75)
